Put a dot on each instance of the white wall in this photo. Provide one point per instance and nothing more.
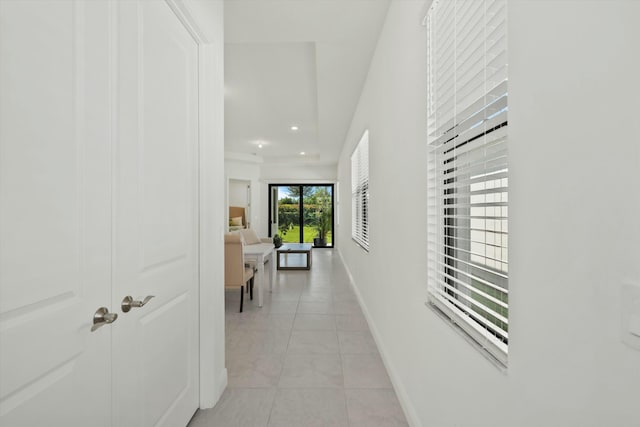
(238, 192)
(209, 16)
(574, 228)
(307, 174)
(574, 99)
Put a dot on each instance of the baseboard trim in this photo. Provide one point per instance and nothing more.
(403, 397)
(222, 385)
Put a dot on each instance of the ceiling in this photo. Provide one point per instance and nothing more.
(296, 63)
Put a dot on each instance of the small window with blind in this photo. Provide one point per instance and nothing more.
(468, 169)
(360, 192)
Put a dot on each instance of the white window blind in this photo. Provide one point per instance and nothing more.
(360, 192)
(468, 168)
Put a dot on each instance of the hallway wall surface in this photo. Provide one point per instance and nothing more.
(574, 230)
(213, 378)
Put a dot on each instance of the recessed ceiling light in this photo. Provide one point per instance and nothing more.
(302, 153)
(259, 145)
(294, 128)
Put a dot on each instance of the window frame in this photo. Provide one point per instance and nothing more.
(301, 211)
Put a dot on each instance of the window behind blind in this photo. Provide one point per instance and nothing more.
(468, 168)
(360, 192)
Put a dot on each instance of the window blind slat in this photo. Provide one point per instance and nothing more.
(470, 300)
(499, 276)
(479, 279)
(469, 311)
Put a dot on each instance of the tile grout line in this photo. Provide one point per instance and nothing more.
(327, 288)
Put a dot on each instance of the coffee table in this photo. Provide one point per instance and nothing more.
(293, 248)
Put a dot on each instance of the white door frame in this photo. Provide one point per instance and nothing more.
(212, 372)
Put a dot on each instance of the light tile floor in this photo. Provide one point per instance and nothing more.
(306, 358)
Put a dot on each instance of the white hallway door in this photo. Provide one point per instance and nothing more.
(156, 223)
(98, 201)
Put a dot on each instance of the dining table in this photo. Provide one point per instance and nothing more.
(261, 254)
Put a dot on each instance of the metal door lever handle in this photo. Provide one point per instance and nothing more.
(102, 317)
(128, 302)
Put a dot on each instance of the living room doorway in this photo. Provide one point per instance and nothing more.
(302, 213)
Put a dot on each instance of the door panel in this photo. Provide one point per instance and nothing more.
(54, 214)
(156, 227)
(167, 119)
(163, 331)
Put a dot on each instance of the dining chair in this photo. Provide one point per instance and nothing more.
(236, 274)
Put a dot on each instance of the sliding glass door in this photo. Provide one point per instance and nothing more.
(286, 208)
(302, 213)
